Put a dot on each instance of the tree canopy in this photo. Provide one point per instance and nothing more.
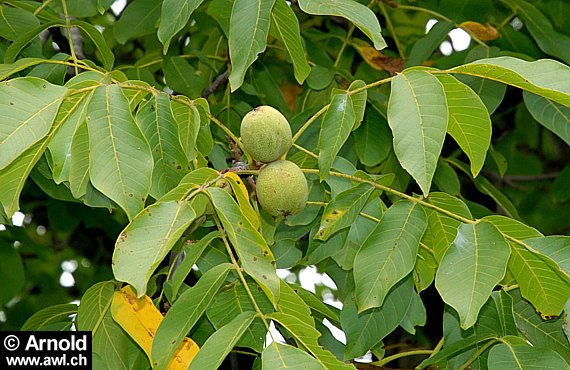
(433, 137)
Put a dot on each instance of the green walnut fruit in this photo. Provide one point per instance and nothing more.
(282, 188)
(265, 134)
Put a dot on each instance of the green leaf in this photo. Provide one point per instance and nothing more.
(522, 356)
(336, 126)
(107, 56)
(158, 126)
(551, 115)
(187, 119)
(139, 18)
(365, 330)
(373, 139)
(540, 280)
(358, 101)
(254, 254)
(424, 47)
(217, 347)
(182, 77)
(469, 122)
(454, 349)
(471, 268)
(185, 313)
(14, 22)
(122, 167)
(442, 227)
(541, 29)
(512, 227)
(285, 25)
(359, 14)
(71, 114)
(25, 38)
(341, 211)
(94, 314)
(29, 106)
(8, 69)
(308, 336)
(541, 77)
(415, 315)
(279, 356)
(234, 301)
(79, 164)
(555, 247)
(418, 115)
(50, 315)
(388, 254)
(174, 17)
(51, 72)
(318, 306)
(290, 303)
(486, 187)
(147, 239)
(539, 332)
(192, 251)
(249, 26)
(11, 272)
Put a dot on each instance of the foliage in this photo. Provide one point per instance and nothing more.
(433, 180)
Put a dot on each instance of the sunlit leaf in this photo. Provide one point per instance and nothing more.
(286, 26)
(388, 254)
(471, 268)
(551, 115)
(469, 122)
(28, 106)
(418, 115)
(173, 17)
(279, 356)
(123, 165)
(336, 126)
(249, 26)
(359, 14)
(542, 77)
(254, 254)
(522, 356)
(185, 313)
(221, 342)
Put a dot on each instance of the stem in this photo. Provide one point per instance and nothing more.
(227, 131)
(506, 21)
(477, 354)
(442, 17)
(343, 46)
(391, 29)
(42, 7)
(239, 272)
(306, 151)
(324, 204)
(388, 359)
(69, 38)
(324, 109)
(396, 192)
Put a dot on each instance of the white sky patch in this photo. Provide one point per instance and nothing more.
(336, 332)
(66, 280)
(460, 39)
(446, 48)
(18, 218)
(273, 335)
(118, 6)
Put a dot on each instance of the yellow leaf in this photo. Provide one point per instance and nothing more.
(482, 32)
(140, 319)
(242, 196)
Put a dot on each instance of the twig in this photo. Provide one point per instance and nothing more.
(220, 80)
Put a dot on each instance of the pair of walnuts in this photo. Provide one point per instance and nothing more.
(281, 185)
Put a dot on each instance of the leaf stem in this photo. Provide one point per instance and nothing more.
(343, 46)
(42, 7)
(478, 353)
(324, 109)
(306, 151)
(240, 273)
(388, 359)
(69, 37)
(391, 29)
